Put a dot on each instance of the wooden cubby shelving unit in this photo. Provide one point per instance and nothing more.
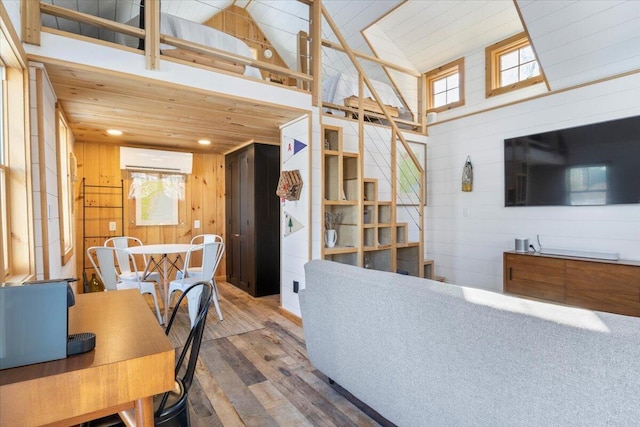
(341, 193)
(368, 235)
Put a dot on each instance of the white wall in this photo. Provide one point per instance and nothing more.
(295, 247)
(475, 89)
(468, 232)
(13, 10)
(46, 217)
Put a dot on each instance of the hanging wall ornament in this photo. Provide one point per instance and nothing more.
(289, 185)
(467, 175)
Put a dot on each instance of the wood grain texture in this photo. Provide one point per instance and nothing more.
(160, 114)
(132, 360)
(603, 285)
(99, 164)
(606, 287)
(535, 277)
(253, 371)
(239, 23)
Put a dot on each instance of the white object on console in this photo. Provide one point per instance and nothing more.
(613, 256)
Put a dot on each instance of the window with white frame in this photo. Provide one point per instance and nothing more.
(445, 86)
(511, 64)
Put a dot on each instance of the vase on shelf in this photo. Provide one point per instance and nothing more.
(330, 238)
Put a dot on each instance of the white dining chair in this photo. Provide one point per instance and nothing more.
(211, 255)
(124, 264)
(206, 238)
(196, 270)
(103, 259)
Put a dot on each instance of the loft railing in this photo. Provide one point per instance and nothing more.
(272, 62)
(289, 65)
(407, 86)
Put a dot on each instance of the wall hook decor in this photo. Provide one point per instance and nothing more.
(467, 175)
(289, 185)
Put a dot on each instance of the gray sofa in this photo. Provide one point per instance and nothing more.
(424, 353)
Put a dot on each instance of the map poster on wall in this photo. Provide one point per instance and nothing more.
(154, 205)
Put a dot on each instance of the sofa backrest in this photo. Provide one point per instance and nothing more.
(422, 352)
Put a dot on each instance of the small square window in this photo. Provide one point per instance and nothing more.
(511, 64)
(445, 86)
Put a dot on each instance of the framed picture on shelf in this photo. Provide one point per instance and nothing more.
(408, 176)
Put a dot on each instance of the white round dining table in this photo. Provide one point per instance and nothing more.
(165, 250)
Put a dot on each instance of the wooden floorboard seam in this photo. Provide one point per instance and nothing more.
(253, 370)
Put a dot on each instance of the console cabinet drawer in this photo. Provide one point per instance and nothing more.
(535, 277)
(597, 285)
(604, 287)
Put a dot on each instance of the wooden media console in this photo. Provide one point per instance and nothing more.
(603, 285)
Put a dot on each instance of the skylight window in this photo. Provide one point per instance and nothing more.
(511, 64)
(445, 85)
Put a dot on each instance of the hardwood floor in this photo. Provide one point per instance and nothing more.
(253, 371)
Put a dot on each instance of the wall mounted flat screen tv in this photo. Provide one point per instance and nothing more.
(596, 164)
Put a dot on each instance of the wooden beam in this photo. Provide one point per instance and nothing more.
(11, 50)
(422, 103)
(231, 57)
(372, 89)
(361, 55)
(303, 56)
(152, 35)
(42, 171)
(392, 123)
(30, 14)
(316, 51)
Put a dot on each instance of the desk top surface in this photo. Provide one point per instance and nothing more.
(125, 329)
(133, 358)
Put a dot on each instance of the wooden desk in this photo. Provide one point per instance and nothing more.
(132, 361)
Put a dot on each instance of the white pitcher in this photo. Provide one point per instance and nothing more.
(330, 238)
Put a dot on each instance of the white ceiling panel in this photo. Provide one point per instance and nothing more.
(431, 33)
(582, 41)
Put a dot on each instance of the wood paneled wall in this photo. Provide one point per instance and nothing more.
(239, 23)
(204, 200)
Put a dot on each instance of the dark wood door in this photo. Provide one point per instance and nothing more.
(253, 219)
(238, 221)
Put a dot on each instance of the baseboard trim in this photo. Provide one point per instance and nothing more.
(289, 315)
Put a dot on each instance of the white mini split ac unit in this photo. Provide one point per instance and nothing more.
(144, 160)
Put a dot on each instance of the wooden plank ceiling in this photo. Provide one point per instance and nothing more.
(153, 113)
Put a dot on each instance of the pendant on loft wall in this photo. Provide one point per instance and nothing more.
(467, 176)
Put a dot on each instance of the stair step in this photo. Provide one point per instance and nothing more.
(428, 269)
